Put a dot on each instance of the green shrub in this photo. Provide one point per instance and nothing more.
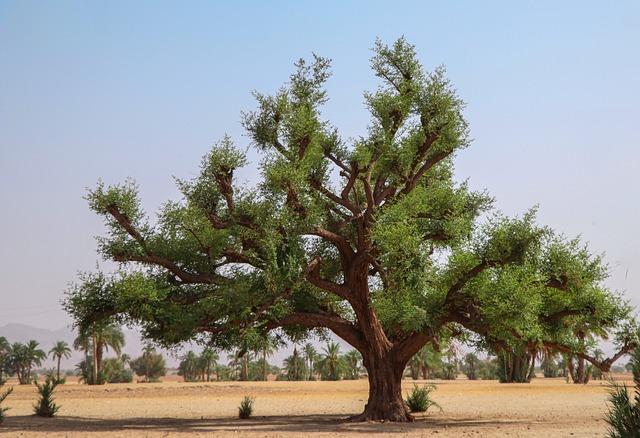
(115, 372)
(46, 406)
(419, 399)
(151, 365)
(624, 414)
(246, 407)
(2, 397)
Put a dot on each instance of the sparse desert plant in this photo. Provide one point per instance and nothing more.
(623, 417)
(246, 407)
(419, 399)
(46, 406)
(3, 396)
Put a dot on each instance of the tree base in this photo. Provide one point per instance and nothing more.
(395, 412)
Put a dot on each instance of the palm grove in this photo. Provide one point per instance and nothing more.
(371, 239)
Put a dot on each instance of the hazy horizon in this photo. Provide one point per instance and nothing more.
(113, 90)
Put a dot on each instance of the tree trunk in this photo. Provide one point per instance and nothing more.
(94, 370)
(532, 367)
(58, 372)
(580, 371)
(385, 393)
(415, 370)
(264, 364)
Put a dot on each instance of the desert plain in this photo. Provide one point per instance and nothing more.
(543, 408)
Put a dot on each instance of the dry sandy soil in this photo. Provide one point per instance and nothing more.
(546, 407)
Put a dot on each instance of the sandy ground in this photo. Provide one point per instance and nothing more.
(546, 407)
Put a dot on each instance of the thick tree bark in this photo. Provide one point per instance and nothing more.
(385, 392)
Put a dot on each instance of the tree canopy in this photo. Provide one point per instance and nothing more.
(371, 238)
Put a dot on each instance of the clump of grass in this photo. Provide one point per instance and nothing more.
(624, 414)
(419, 399)
(3, 396)
(46, 406)
(246, 407)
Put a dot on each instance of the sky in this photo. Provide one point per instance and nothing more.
(109, 90)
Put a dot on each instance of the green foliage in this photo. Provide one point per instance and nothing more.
(84, 371)
(330, 365)
(245, 410)
(419, 399)
(201, 367)
(5, 365)
(46, 406)
(515, 367)
(96, 338)
(471, 366)
(352, 364)
(22, 358)
(60, 350)
(3, 409)
(114, 370)
(623, 417)
(296, 366)
(151, 365)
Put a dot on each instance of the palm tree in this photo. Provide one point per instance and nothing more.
(208, 360)
(236, 363)
(22, 359)
(125, 358)
(97, 338)
(352, 362)
(266, 347)
(310, 355)
(331, 360)
(60, 349)
(188, 367)
(295, 366)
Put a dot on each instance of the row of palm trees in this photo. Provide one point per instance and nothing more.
(304, 364)
(21, 359)
(329, 364)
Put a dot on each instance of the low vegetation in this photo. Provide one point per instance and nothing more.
(3, 409)
(623, 417)
(419, 399)
(245, 410)
(46, 406)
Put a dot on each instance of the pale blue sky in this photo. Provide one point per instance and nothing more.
(117, 89)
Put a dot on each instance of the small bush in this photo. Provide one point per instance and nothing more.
(246, 407)
(623, 417)
(419, 399)
(46, 406)
(2, 397)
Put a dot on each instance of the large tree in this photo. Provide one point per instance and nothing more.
(370, 238)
